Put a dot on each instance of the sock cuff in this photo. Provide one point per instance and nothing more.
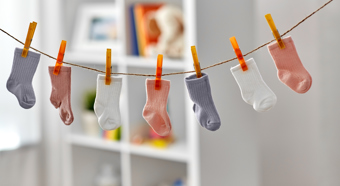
(252, 77)
(192, 81)
(30, 53)
(249, 62)
(152, 82)
(114, 79)
(62, 69)
(195, 85)
(287, 41)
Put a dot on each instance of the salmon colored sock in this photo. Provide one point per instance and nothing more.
(154, 111)
(61, 93)
(290, 70)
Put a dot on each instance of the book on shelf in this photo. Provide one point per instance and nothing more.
(134, 42)
(146, 28)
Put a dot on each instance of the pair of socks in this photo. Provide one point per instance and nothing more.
(19, 82)
(61, 93)
(106, 104)
(291, 72)
(155, 113)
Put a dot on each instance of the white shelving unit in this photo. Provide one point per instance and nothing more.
(81, 154)
(176, 152)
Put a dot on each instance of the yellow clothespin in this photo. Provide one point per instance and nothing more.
(108, 67)
(159, 72)
(29, 37)
(275, 31)
(196, 62)
(60, 58)
(238, 53)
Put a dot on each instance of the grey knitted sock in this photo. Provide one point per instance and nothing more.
(20, 81)
(204, 107)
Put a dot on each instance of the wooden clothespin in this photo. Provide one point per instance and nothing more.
(196, 62)
(159, 72)
(60, 58)
(29, 37)
(108, 67)
(238, 53)
(275, 31)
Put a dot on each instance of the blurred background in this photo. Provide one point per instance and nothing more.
(295, 143)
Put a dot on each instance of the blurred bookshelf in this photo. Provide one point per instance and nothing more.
(84, 154)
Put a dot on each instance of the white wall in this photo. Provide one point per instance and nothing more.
(27, 125)
(229, 156)
(289, 134)
(21, 166)
(329, 128)
(294, 144)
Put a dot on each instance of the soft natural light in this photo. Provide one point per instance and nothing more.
(9, 140)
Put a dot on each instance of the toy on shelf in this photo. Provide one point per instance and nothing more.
(157, 29)
(112, 135)
(158, 141)
(143, 134)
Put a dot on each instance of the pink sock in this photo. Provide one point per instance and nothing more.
(61, 93)
(154, 111)
(290, 69)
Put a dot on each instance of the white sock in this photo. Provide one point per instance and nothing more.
(106, 105)
(253, 89)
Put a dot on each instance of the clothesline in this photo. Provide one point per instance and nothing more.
(175, 73)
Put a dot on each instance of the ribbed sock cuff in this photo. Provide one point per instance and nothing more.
(18, 51)
(117, 79)
(194, 84)
(287, 41)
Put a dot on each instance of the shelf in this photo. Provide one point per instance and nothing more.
(175, 152)
(94, 142)
(135, 61)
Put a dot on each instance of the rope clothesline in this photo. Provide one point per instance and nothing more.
(175, 73)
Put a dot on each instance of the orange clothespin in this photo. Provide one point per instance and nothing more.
(159, 72)
(60, 58)
(275, 31)
(238, 53)
(196, 62)
(29, 37)
(108, 67)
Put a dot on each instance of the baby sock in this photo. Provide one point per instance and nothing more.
(154, 111)
(20, 81)
(204, 107)
(290, 70)
(253, 89)
(106, 105)
(61, 93)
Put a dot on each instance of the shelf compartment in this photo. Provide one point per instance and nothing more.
(147, 171)
(88, 162)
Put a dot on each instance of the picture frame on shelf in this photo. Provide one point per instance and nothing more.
(97, 28)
